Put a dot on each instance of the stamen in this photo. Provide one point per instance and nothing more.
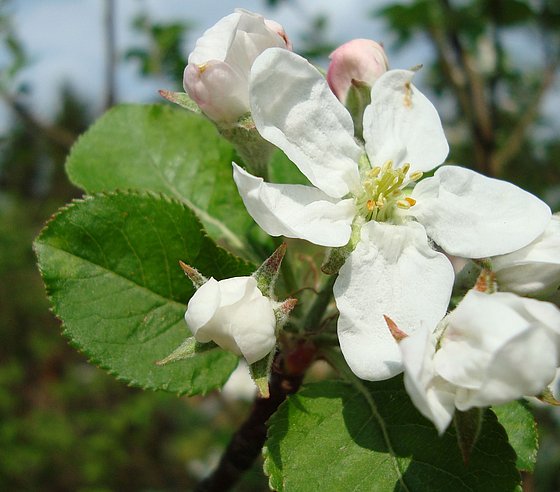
(416, 175)
(411, 201)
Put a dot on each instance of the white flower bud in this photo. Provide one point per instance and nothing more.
(535, 269)
(360, 61)
(495, 348)
(216, 76)
(234, 314)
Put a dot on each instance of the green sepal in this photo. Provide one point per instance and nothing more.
(267, 274)
(260, 374)
(358, 98)
(189, 348)
(255, 151)
(468, 425)
(547, 396)
(181, 99)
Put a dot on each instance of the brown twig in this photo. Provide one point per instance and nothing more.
(246, 444)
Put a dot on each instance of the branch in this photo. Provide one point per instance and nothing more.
(246, 444)
(58, 135)
(513, 143)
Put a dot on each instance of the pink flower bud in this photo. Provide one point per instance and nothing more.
(357, 62)
(217, 74)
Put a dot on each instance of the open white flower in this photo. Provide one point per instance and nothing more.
(535, 269)
(493, 348)
(216, 76)
(393, 270)
(234, 314)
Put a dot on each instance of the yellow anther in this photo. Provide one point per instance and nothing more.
(202, 68)
(403, 204)
(388, 165)
(411, 201)
(370, 205)
(416, 175)
(405, 168)
(374, 172)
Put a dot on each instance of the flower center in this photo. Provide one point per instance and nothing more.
(383, 191)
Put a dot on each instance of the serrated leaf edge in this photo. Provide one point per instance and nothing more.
(91, 359)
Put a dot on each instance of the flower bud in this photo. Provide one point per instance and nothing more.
(535, 269)
(216, 76)
(359, 62)
(235, 315)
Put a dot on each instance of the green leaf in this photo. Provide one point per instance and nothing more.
(165, 150)
(283, 170)
(335, 436)
(110, 265)
(519, 423)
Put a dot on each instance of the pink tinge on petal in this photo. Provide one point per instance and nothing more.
(359, 60)
(278, 29)
(205, 85)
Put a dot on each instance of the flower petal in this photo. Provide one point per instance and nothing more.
(535, 269)
(294, 109)
(254, 328)
(202, 307)
(473, 216)
(498, 348)
(391, 272)
(402, 125)
(206, 88)
(433, 396)
(296, 211)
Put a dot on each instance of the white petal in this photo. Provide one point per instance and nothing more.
(391, 272)
(473, 216)
(215, 42)
(202, 307)
(236, 39)
(234, 289)
(402, 125)
(206, 88)
(498, 348)
(254, 328)
(432, 395)
(535, 269)
(296, 211)
(294, 109)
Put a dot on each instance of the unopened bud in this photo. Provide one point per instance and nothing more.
(217, 74)
(358, 62)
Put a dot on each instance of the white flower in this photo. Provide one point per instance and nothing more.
(535, 269)
(360, 61)
(216, 76)
(492, 349)
(235, 315)
(393, 270)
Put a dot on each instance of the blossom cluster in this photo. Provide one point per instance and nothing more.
(364, 136)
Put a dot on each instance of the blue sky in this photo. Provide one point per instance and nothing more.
(65, 39)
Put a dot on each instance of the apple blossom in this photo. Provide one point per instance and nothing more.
(235, 315)
(357, 62)
(363, 193)
(492, 349)
(216, 76)
(535, 269)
